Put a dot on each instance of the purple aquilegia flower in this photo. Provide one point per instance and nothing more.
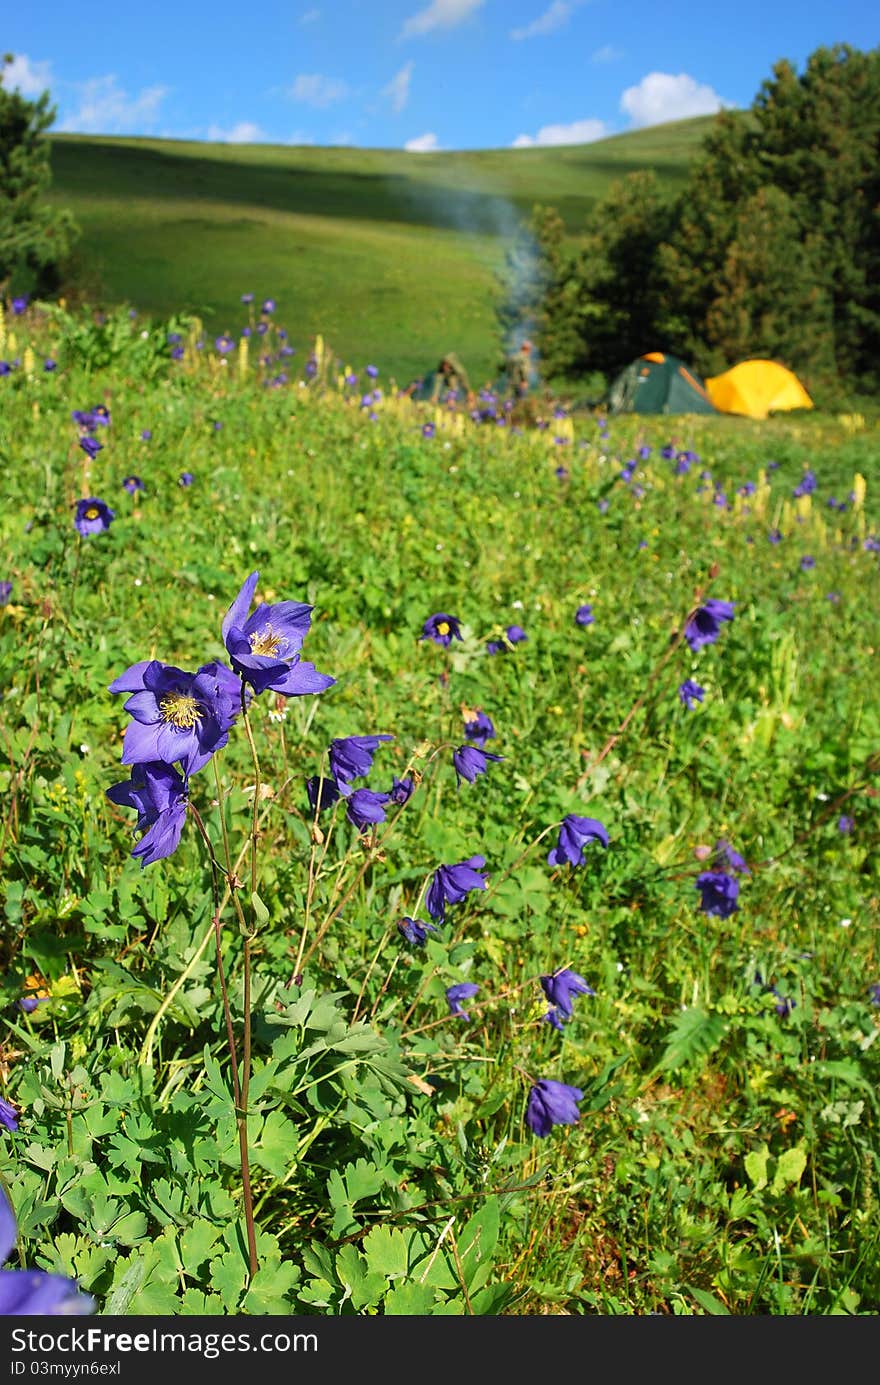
(185, 478)
(50, 364)
(450, 884)
(20, 304)
(146, 434)
(264, 648)
(469, 761)
(372, 371)
(719, 893)
(584, 615)
(552, 1103)
(267, 305)
(323, 793)
(775, 536)
(415, 931)
(463, 990)
(132, 484)
(224, 344)
(806, 485)
(402, 790)
(5, 593)
(178, 717)
(874, 993)
(807, 561)
(365, 808)
(351, 757)
(159, 793)
(516, 634)
(703, 625)
(690, 692)
(574, 835)
(247, 298)
(725, 858)
(441, 628)
(29, 1003)
(479, 729)
(496, 647)
(845, 824)
(90, 446)
(92, 516)
(559, 988)
(34, 1293)
(8, 1115)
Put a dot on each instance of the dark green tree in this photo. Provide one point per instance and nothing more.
(35, 237)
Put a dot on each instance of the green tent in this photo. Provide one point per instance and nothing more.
(658, 384)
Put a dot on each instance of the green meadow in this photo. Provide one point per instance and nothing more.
(719, 1152)
(392, 256)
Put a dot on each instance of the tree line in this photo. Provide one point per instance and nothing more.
(771, 250)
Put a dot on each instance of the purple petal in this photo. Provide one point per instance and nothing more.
(237, 613)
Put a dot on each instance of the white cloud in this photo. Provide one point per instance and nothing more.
(440, 14)
(422, 144)
(606, 54)
(552, 19)
(245, 132)
(397, 89)
(314, 90)
(105, 108)
(30, 78)
(578, 132)
(660, 97)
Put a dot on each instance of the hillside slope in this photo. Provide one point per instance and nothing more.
(389, 254)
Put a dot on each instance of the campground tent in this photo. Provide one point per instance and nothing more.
(757, 388)
(658, 384)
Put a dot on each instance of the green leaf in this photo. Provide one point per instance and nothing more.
(695, 1034)
(789, 1167)
(756, 1167)
(386, 1251)
(708, 1301)
(196, 1244)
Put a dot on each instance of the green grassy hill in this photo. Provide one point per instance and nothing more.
(390, 255)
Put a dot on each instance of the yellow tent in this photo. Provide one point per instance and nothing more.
(755, 388)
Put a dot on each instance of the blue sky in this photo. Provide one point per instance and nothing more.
(416, 74)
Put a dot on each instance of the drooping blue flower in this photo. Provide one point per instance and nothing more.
(516, 634)
(264, 647)
(402, 790)
(574, 835)
(90, 445)
(725, 858)
(19, 304)
(146, 434)
(92, 516)
(807, 562)
(323, 793)
(372, 371)
(351, 757)
(845, 824)
(703, 625)
(874, 992)
(469, 761)
(584, 614)
(247, 298)
(496, 647)
(34, 1293)
(159, 793)
(132, 484)
(479, 728)
(5, 593)
(450, 885)
(415, 931)
(559, 988)
(8, 1115)
(224, 344)
(178, 717)
(268, 305)
(463, 990)
(552, 1103)
(185, 478)
(441, 628)
(806, 485)
(775, 536)
(719, 893)
(365, 808)
(690, 692)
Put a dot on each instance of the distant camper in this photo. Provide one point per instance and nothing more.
(519, 370)
(451, 375)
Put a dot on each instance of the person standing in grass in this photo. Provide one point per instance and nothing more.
(451, 375)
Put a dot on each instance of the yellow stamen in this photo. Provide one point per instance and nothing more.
(443, 627)
(266, 642)
(92, 512)
(181, 710)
